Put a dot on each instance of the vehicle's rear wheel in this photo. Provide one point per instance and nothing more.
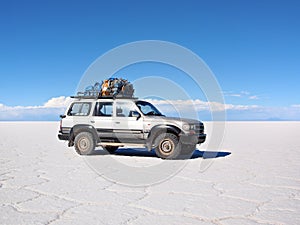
(110, 149)
(167, 146)
(84, 143)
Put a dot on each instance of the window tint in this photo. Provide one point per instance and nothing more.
(103, 109)
(79, 109)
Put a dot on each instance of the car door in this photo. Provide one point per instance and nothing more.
(102, 119)
(127, 126)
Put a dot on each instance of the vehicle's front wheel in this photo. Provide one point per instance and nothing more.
(167, 146)
(84, 143)
(110, 149)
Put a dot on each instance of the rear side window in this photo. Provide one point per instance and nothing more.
(103, 109)
(80, 109)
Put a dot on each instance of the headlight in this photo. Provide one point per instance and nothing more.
(186, 127)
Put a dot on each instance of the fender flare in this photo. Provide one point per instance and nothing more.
(159, 129)
(82, 128)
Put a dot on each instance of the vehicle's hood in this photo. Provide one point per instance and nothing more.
(185, 120)
(175, 120)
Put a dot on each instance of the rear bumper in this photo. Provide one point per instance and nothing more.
(192, 139)
(63, 137)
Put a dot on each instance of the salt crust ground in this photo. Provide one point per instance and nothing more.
(42, 181)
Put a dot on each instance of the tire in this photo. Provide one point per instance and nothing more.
(110, 149)
(167, 146)
(84, 143)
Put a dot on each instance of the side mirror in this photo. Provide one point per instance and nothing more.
(136, 114)
(62, 116)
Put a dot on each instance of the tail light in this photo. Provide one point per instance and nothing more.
(60, 125)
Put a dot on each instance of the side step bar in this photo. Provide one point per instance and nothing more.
(120, 144)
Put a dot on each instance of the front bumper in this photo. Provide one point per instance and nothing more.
(192, 139)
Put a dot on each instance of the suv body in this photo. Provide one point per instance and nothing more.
(111, 123)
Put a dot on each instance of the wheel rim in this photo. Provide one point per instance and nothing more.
(83, 144)
(166, 146)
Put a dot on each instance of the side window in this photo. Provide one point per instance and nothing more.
(85, 109)
(103, 109)
(125, 109)
(145, 109)
(79, 109)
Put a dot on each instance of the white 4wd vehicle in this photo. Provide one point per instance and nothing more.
(111, 123)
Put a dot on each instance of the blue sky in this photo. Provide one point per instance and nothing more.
(252, 47)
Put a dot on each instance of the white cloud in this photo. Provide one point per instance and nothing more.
(57, 102)
(233, 112)
(199, 105)
(48, 111)
(235, 95)
(2, 107)
(254, 97)
(245, 92)
(51, 110)
(241, 94)
(232, 94)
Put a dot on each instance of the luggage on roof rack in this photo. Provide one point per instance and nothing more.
(112, 87)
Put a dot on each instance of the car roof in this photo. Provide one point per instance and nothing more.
(90, 99)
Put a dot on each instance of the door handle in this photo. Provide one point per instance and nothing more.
(92, 121)
(117, 122)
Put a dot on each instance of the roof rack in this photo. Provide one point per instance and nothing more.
(102, 97)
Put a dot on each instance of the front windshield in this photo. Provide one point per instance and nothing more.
(148, 109)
